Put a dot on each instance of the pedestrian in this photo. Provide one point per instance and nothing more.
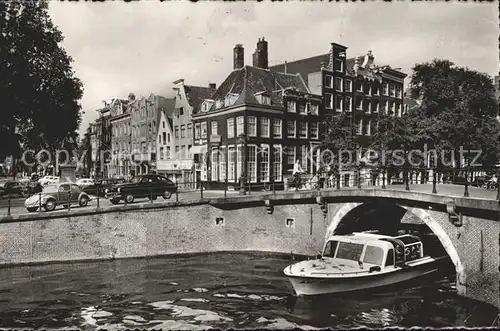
(297, 171)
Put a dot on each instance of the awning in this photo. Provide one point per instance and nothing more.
(199, 149)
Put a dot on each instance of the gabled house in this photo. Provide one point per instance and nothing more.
(188, 99)
(256, 124)
(165, 162)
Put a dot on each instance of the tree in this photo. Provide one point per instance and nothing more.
(337, 138)
(459, 107)
(39, 92)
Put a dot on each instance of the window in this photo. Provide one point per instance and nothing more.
(183, 131)
(375, 90)
(176, 156)
(222, 164)
(214, 128)
(373, 255)
(314, 130)
(190, 130)
(239, 162)
(329, 100)
(264, 127)
(348, 103)
(390, 258)
(385, 89)
(176, 132)
(189, 156)
(240, 129)
(291, 129)
(302, 129)
(164, 138)
(203, 130)
(359, 86)
(291, 106)
(392, 90)
(359, 103)
(338, 103)
(264, 99)
(330, 248)
(369, 89)
(181, 111)
(161, 153)
(329, 81)
(277, 163)
(349, 251)
(360, 127)
(393, 108)
(264, 163)
(302, 109)
(399, 92)
(168, 137)
(339, 65)
(231, 156)
(183, 151)
(252, 126)
(375, 106)
(230, 127)
(214, 164)
(338, 84)
(277, 128)
(252, 163)
(303, 157)
(291, 155)
(367, 130)
(348, 85)
(312, 109)
(399, 110)
(168, 153)
(386, 106)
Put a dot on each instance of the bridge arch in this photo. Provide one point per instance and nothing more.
(425, 217)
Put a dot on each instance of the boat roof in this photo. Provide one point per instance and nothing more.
(374, 238)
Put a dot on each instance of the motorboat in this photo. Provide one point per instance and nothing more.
(361, 261)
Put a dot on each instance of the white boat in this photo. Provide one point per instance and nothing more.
(361, 261)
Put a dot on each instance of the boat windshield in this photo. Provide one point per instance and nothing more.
(373, 255)
(349, 251)
(330, 248)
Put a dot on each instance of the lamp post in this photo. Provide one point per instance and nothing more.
(242, 140)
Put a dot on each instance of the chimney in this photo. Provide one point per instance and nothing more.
(212, 86)
(131, 97)
(260, 57)
(239, 57)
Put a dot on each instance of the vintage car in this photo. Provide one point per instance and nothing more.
(143, 186)
(13, 189)
(58, 194)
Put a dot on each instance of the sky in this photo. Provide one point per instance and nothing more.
(142, 47)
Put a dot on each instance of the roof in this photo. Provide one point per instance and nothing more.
(313, 64)
(166, 106)
(247, 81)
(304, 66)
(196, 94)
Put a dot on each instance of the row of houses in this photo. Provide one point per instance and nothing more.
(253, 126)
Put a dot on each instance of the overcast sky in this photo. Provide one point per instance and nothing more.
(143, 47)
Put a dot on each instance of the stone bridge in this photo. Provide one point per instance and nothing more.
(467, 227)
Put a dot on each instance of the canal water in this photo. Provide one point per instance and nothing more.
(223, 290)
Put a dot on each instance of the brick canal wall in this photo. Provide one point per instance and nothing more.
(152, 231)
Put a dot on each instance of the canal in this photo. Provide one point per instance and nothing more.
(222, 290)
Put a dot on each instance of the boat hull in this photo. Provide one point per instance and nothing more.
(309, 286)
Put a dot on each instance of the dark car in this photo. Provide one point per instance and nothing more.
(143, 186)
(479, 181)
(13, 189)
(100, 186)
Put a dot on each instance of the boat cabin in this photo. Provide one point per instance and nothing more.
(373, 249)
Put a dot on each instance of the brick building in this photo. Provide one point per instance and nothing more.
(262, 119)
(355, 85)
(120, 138)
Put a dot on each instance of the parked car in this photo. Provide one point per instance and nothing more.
(55, 195)
(13, 189)
(46, 179)
(102, 185)
(142, 186)
(479, 181)
(85, 182)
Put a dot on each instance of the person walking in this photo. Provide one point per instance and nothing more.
(297, 171)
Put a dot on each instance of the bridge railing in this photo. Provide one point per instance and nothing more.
(445, 181)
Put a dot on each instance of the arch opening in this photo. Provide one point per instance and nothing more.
(356, 217)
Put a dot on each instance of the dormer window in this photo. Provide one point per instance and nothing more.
(219, 104)
(207, 104)
(230, 99)
(263, 99)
